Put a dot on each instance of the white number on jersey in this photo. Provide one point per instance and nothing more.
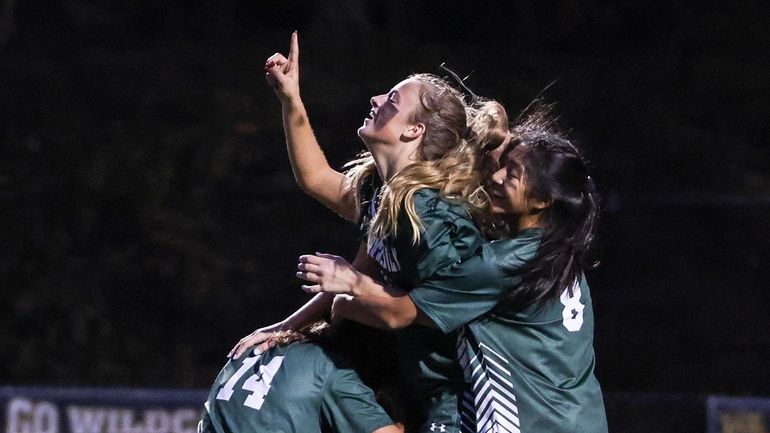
(572, 314)
(258, 384)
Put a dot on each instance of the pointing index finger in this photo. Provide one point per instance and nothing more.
(294, 50)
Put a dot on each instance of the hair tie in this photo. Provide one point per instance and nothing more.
(589, 186)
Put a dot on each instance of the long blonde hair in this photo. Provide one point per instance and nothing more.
(446, 161)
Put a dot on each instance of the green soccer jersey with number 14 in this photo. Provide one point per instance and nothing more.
(528, 370)
(301, 388)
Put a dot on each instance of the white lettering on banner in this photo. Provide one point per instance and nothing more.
(85, 420)
(185, 421)
(19, 416)
(23, 416)
(156, 421)
(122, 421)
(114, 420)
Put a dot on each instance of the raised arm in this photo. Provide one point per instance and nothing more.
(311, 169)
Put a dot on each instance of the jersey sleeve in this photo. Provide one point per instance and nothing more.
(448, 235)
(466, 290)
(204, 425)
(349, 406)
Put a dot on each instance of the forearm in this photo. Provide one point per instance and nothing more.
(305, 154)
(313, 311)
(393, 428)
(384, 312)
(364, 285)
(311, 169)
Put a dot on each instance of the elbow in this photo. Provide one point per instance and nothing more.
(306, 183)
(311, 184)
(396, 321)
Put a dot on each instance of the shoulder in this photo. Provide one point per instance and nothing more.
(512, 253)
(444, 221)
(305, 355)
(428, 202)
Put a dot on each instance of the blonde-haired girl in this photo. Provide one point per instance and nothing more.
(418, 221)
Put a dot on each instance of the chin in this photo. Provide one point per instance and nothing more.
(365, 135)
(496, 209)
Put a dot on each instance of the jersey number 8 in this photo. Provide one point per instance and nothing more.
(572, 314)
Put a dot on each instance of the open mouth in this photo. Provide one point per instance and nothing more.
(494, 193)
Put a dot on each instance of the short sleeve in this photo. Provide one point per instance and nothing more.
(204, 425)
(464, 291)
(448, 236)
(349, 406)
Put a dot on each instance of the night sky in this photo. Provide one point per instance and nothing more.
(149, 218)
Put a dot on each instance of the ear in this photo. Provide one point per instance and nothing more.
(540, 205)
(414, 131)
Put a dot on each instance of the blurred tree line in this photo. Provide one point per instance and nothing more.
(149, 216)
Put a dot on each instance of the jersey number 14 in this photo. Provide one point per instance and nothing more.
(258, 384)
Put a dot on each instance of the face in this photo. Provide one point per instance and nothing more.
(388, 120)
(508, 189)
(490, 159)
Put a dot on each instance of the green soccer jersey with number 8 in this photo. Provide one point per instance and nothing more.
(528, 370)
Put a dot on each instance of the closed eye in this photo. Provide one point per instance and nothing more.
(512, 168)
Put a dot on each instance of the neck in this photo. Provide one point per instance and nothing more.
(523, 222)
(391, 159)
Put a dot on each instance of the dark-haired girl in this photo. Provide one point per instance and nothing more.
(522, 306)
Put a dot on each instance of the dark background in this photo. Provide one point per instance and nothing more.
(149, 219)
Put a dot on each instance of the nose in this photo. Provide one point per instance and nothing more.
(499, 176)
(376, 101)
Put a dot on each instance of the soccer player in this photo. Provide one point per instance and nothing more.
(418, 140)
(303, 386)
(522, 305)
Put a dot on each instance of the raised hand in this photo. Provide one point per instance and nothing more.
(330, 273)
(282, 74)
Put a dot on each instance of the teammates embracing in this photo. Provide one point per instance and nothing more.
(475, 236)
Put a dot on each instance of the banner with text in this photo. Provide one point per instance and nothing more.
(94, 410)
(738, 415)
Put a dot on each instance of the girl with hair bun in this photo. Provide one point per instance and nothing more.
(522, 305)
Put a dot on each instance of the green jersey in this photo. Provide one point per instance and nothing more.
(302, 387)
(427, 355)
(528, 370)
